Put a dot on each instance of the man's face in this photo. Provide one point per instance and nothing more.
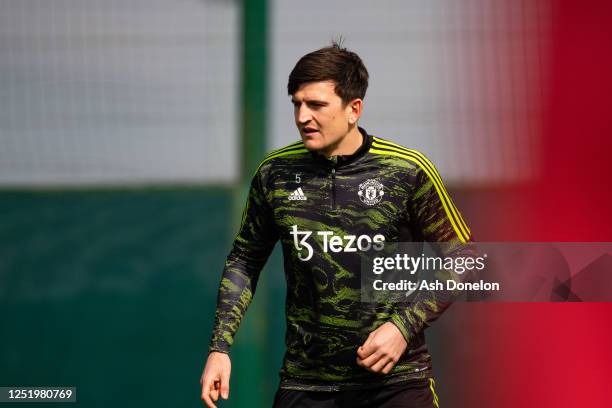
(320, 115)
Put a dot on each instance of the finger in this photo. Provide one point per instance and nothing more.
(371, 360)
(379, 365)
(225, 376)
(388, 367)
(360, 350)
(367, 349)
(206, 395)
(214, 390)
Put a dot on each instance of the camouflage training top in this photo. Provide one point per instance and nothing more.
(326, 213)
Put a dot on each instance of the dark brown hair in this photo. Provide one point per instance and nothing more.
(333, 63)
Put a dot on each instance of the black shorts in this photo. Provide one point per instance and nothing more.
(410, 394)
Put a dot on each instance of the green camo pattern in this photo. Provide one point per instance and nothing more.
(326, 320)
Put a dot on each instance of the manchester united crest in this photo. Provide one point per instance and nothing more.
(370, 192)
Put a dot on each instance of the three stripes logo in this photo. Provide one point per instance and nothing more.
(384, 147)
(297, 195)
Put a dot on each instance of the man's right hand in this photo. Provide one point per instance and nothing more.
(215, 378)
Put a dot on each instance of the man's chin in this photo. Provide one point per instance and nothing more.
(313, 145)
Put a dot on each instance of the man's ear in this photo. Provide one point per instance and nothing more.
(354, 108)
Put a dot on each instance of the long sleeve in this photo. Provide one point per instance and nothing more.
(252, 246)
(434, 219)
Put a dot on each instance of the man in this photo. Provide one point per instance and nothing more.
(335, 195)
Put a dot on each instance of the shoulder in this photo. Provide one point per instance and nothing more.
(401, 155)
(290, 152)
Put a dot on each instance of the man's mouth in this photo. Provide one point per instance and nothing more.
(309, 130)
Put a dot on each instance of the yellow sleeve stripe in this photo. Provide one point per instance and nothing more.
(435, 173)
(458, 230)
(430, 170)
(451, 211)
(282, 149)
(297, 150)
(458, 223)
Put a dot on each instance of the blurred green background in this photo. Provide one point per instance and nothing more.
(114, 291)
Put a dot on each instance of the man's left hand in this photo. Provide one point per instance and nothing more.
(382, 349)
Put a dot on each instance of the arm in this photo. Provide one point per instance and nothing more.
(252, 246)
(434, 219)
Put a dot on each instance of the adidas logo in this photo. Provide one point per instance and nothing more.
(297, 195)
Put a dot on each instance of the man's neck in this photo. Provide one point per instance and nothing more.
(346, 146)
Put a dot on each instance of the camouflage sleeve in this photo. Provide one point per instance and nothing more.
(435, 219)
(252, 246)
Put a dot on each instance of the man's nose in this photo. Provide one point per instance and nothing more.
(303, 115)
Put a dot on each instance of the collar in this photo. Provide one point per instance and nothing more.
(343, 160)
